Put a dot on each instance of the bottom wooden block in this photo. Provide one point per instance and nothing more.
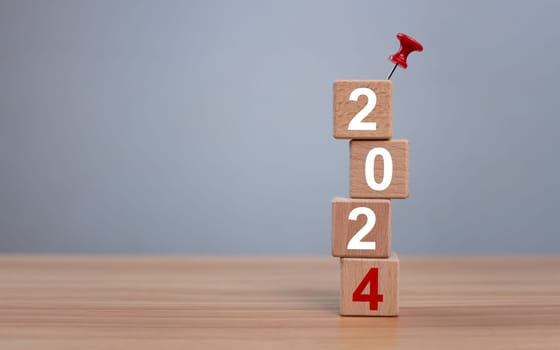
(369, 287)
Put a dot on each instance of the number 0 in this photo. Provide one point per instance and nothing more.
(387, 169)
(357, 122)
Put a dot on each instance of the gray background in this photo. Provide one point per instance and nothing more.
(205, 127)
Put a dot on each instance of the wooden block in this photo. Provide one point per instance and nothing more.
(363, 109)
(361, 228)
(369, 287)
(379, 169)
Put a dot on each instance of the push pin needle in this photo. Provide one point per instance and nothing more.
(408, 45)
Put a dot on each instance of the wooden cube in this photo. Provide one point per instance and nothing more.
(379, 169)
(363, 109)
(369, 287)
(361, 228)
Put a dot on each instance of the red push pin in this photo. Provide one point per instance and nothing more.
(408, 45)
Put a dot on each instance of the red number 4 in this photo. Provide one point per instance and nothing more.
(373, 297)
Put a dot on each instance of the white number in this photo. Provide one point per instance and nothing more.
(387, 169)
(356, 123)
(356, 241)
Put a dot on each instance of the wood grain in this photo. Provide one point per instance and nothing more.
(272, 303)
(343, 229)
(345, 109)
(353, 271)
(398, 187)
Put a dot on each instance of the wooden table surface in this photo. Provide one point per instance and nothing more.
(272, 303)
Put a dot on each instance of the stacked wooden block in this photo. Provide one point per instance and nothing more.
(361, 225)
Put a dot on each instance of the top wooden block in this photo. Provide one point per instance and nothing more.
(363, 109)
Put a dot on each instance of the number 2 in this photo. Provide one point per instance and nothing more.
(357, 122)
(373, 297)
(356, 241)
